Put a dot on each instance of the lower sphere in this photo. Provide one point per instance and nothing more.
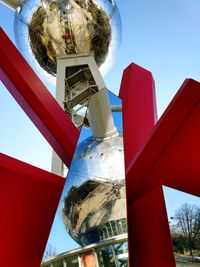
(94, 202)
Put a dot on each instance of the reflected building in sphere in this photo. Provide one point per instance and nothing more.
(48, 29)
(94, 204)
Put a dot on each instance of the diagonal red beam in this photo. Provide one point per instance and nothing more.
(28, 201)
(36, 101)
(171, 156)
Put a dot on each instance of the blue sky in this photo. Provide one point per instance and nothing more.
(161, 36)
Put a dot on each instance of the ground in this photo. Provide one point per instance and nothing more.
(184, 261)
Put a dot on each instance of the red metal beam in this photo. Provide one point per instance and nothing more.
(36, 101)
(148, 229)
(151, 243)
(137, 92)
(28, 201)
(171, 156)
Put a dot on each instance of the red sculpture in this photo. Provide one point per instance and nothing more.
(167, 154)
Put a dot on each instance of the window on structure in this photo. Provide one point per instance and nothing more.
(121, 248)
(58, 263)
(72, 261)
(121, 252)
(106, 257)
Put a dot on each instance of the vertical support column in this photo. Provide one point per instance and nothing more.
(64, 263)
(100, 116)
(63, 62)
(147, 245)
(79, 260)
(139, 109)
(149, 233)
(57, 165)
(60, 81)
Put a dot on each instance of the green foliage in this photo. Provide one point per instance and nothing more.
(179, 243)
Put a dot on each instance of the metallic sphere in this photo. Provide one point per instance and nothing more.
(93, 203)
(47, 29)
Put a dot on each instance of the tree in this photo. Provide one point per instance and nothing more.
(188, 227)
(179, 242)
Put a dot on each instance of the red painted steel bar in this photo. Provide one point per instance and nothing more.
(172, 155)
(36, 101)
(28, 201)
(139, 109)
(148, 230)
(151, 244)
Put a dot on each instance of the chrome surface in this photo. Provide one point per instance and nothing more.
(46, 29)
(93, 203)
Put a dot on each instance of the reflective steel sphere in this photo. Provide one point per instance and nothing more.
(93, 203)
(47, 29)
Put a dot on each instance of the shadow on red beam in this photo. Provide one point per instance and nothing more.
(171, 156)
(28, 201)
(36, 101)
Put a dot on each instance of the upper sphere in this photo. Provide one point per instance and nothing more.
(47, 29)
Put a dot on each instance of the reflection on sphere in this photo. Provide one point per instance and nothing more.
(47, 29)
(94, 203)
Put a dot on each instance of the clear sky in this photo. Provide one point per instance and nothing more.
(161, 36)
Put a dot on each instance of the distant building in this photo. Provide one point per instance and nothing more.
(109, 253)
